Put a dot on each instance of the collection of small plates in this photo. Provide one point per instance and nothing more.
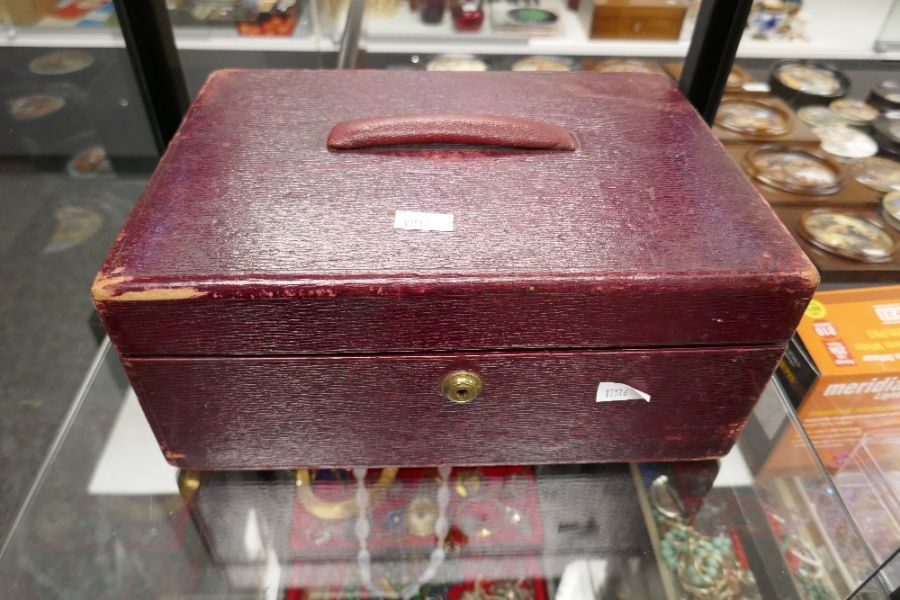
(843, 127)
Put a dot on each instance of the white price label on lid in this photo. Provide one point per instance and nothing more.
(423, 221)
(610, 391)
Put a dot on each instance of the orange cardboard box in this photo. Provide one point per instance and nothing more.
(842, 373)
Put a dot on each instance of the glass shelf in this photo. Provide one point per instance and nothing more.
(108, 518)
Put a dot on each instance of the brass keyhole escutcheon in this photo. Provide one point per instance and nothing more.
(461, 387)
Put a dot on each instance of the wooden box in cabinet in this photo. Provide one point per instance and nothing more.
(638, 19)
(28, 12)
(334, 268)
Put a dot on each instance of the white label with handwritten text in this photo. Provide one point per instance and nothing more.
(423, 221)
(610, 391)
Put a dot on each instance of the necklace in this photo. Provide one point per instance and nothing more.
(363, 527)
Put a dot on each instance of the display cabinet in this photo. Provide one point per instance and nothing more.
(107, 518)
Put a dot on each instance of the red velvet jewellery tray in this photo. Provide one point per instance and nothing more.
(413, 268)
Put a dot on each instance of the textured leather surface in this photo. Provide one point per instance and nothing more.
(486, 130)
(253, 238)
(536, 407)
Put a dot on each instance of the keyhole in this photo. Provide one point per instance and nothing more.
(461, 387)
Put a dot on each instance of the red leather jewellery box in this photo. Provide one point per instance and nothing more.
(337, 268)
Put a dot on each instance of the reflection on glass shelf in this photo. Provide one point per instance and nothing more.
(75, 110)
(110, 519)
(62, 14)
(869, 482)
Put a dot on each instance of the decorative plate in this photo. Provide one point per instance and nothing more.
(890, 209)
(848, 235)
(543, 63)
(846, 142)
(626, 65)
(880, 174)
(819, 116)
(456, 62)
(793, 169)
(855, 112)
(809, 79)
(752, 117)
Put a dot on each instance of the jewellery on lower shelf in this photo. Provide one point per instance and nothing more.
(665, 499)
(393, 521)
(328, 533)
(819, 116)
(61, 62)
(498, 590)
(468, 483)
(851, 236)
(513, 516)
(793, 169)
(188, 484)
(329, 510)
(855, 112)
(809, 562)
(880, 174)
(806, 566)
(890, 209)
(478, 518)
(845, 142)
(543, 63)
(706, 566)
(363, 528)
(752, 117)
(456, 62)
(420, 516)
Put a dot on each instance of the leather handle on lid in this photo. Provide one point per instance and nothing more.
(479, 130)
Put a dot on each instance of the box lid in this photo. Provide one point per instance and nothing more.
(254, 237)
